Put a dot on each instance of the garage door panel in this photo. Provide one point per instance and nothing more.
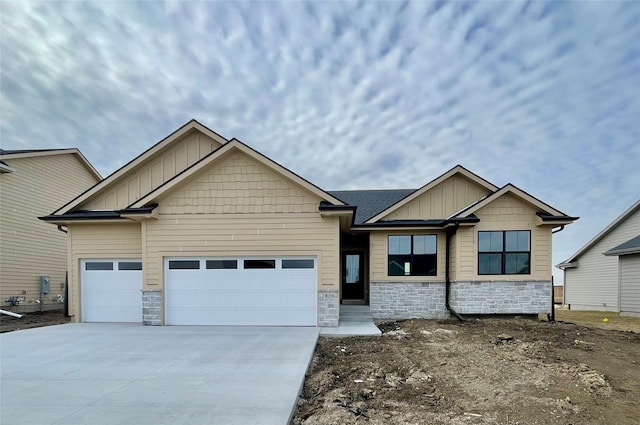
(259, 296)
(111, 292)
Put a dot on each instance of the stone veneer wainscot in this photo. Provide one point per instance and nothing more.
(407, 300)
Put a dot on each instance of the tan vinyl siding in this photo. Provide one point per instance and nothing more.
(239, 184)
(100, 240)
(244, 235)
(443, 200)
(30, 248)
(505, 213)
(593, 285)
(630, 284)
(152, 173)
(379, 249)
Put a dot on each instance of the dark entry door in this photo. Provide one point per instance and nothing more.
(353, 276)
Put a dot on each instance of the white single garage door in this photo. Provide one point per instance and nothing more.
(111, 291)
(241, 291)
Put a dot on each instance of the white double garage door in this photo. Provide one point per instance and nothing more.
(263, 291)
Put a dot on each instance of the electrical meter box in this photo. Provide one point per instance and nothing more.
(45, 283)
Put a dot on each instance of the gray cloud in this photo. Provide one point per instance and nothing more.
(350, 95)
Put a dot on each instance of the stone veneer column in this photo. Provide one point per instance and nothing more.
(152, 307)
(328, 313)
(407, 300)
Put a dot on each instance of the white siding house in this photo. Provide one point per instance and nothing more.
(593, 276)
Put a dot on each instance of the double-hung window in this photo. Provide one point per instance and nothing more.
(412, 255)
(504, 252)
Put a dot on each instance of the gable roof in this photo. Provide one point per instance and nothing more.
(604, 232)
(222, 150)
(8, 155)
(458, 169)
(632, 246)
(189, 126)
(551, 213)
(370, 202)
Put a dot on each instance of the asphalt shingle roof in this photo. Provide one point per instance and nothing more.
(629, 246)
(370, 202)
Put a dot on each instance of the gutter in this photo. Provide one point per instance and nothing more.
(450, 233)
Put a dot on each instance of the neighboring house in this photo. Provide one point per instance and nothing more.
(32, 183)
(203, 230)
(605, 273)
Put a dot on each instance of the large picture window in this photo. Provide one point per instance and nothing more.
(412, 255)
(507, 252)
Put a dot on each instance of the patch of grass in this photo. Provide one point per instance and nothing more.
(594, 319)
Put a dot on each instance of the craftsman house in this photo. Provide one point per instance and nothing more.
(200, 230)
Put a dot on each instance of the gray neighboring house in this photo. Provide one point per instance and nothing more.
(605, 273)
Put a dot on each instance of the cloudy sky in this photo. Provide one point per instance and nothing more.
(545, 95)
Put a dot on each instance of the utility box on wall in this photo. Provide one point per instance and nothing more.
(45, 284)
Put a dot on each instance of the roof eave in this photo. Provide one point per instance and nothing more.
(135, 214)
(4, 168)
(604, 232)
(618, 252)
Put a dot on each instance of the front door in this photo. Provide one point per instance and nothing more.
(353, 276)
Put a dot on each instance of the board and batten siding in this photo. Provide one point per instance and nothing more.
(630, 285)
(99, 241)
(158, 169)
(593, 285)
(443, 200)
(379, 251)
(30, 248)
(503, 214)
(239, 207)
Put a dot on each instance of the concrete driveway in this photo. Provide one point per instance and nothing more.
(104, 374)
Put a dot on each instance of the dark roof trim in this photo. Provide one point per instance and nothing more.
(549, 217)
(99, 215)
(325, 206)
(442, 223)
(20, 151)
(405, 223)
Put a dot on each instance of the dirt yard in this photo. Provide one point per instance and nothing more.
(502, 372)
(32, 320)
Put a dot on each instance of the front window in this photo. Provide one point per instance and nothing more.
(506, 252)
(412, 255)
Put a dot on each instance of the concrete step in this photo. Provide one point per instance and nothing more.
(356, 319)
(355, 314)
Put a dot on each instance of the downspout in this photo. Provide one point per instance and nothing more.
(10, 313)
(450, 233)
(62, 230)
(551, 317)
